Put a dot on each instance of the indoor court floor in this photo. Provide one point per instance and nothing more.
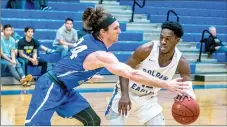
(211, 96)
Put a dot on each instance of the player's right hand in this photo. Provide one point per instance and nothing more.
(124, 105)
(178, 86)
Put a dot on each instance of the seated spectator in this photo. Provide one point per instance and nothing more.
(27, 47)
(9, 58)
(17, 37)
(213, 44)
(66, 37)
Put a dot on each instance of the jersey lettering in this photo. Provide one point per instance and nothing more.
(142, 90)
(77, 50)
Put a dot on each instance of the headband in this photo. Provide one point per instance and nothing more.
(105, 23)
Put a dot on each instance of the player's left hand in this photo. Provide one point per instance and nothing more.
(95, 78)
(124, 105)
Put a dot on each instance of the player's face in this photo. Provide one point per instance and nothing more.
(168, 41)
(7, 31)
(29, 33)
(113, 32)
(69, 25)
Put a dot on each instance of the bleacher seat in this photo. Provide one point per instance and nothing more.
(41, 14)
(181, 11)
(196, 37)
(189, 20)
(193, 28)
(182, 4)
(46, 24)
(50, 35)
(71, 6)
(221, 57)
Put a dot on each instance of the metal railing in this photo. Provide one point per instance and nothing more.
(201, 43)
(133, 8)
(167, 19)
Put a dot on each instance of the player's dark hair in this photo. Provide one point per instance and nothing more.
(87, 13)
(93, 18)
(175, 27)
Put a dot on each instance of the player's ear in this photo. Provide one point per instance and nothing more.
(178, 39)
(102, 31)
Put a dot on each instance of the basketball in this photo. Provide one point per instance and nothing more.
(186, 111)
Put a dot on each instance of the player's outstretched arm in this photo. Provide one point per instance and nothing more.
(110, 62)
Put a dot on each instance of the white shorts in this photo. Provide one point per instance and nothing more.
(145, 108)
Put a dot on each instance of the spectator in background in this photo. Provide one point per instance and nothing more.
(9, 58)
(17, 37)
(66, 37)
(213, 44)
(27, 47)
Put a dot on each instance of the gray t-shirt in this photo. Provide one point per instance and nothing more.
(67, 36)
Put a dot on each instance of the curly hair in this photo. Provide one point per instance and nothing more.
(92, 17)
(175, 27)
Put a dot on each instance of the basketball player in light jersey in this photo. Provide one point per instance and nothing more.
(161, 59)
(55, 90)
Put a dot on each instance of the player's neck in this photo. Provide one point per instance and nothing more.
(165, 57)
(105, 41)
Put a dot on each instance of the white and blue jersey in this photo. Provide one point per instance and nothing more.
(49, 96)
